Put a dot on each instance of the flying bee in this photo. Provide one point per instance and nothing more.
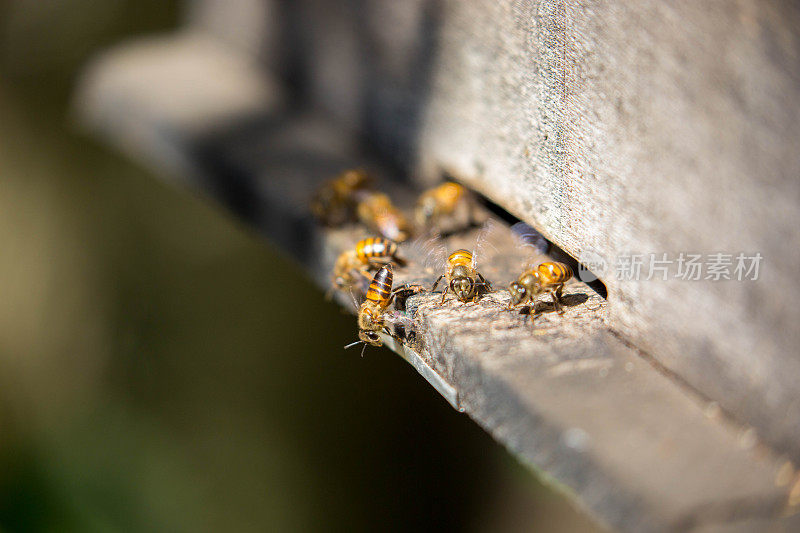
(377, 212)
(548, 277)
(335, 201)
(446, 208)
(354, 264)
(461, 276)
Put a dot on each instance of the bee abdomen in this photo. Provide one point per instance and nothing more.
(375, 247)
(555, 272)
(450, 192)
(460, 257)
(381, 287)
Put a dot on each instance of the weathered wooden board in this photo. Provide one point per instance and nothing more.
(567, 396)
(631, 127)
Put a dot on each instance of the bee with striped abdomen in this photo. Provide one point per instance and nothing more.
(377, 212)
(335, 201)
(462, 278)
(548, 277)
(446, 208)
(372, 315)
(355, 263)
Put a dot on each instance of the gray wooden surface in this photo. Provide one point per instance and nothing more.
(633, 127)
(618, 128)
(647, 127)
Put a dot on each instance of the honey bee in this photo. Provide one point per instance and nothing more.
(446, 208)
(335, 202)
(377, 212)
(354, 264)
(462, 277)
(372, 315)
(548, 277)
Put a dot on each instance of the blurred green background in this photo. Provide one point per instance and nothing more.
(146, 382)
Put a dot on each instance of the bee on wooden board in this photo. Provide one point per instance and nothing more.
(373, 317)
(447, 208)
(462, 278)
(548, 277)
(377, 212)
(354, 264)
(335, 201)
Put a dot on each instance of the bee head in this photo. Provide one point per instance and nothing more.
(462, 286)
(518, 292)
(370, 337)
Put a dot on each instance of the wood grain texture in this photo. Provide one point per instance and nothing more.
(639, 127)
(631, 127)
(646, 127)
(568, 396)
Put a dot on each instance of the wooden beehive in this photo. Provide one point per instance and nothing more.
(617, 130)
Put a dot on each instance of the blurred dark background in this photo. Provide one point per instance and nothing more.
(162, 368)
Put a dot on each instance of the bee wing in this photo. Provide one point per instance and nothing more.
(530, 241)
(436, 261)
(528, 237)
(363, 283)
(396, 318)
(356, 304)
(483, 242)
(428, 250)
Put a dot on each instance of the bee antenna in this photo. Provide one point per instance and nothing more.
(353, 297)
(355, 344)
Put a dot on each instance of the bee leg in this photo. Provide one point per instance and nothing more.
(557, 301)
(531, 314)
(444, 293)
(405, 287)
(399, 261)
(395, 291)
(532, 309)
(486, 285)
(436, 283)
(415, 289)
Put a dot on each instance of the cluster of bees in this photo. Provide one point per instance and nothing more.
(446, 209)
